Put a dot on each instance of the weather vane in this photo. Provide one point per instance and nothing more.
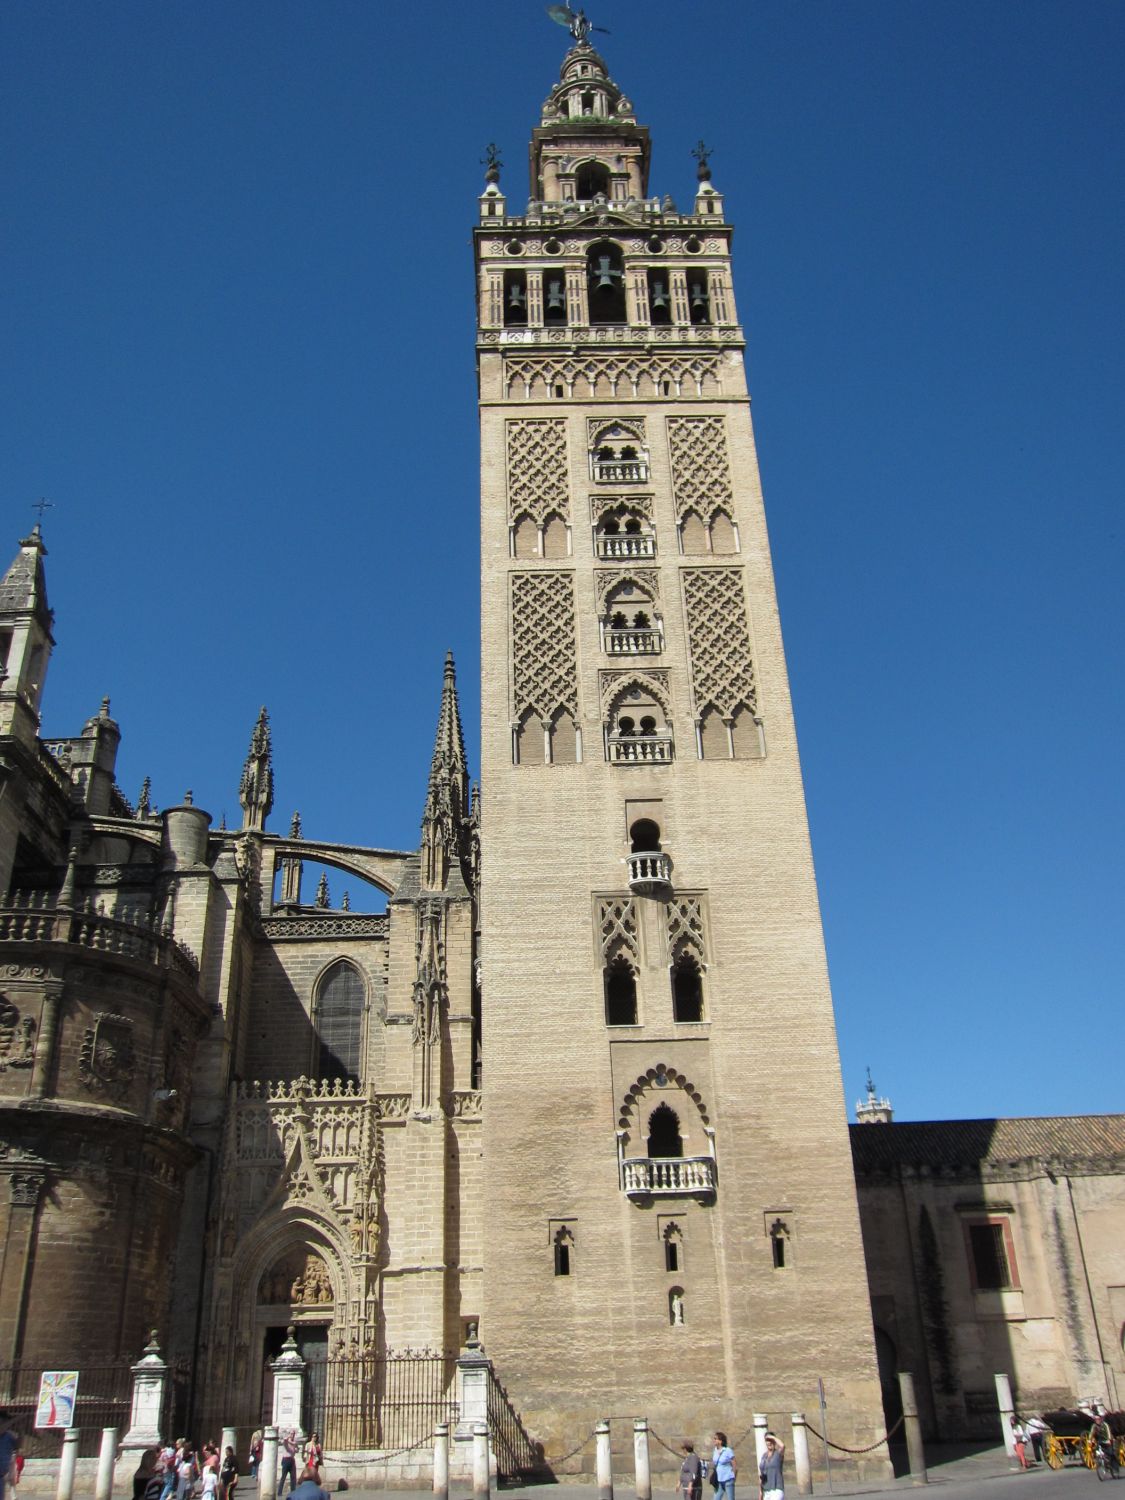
(702, 153)
(41, 505)
(575, 21)
(491, 157)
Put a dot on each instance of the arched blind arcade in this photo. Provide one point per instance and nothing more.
(340, 1023)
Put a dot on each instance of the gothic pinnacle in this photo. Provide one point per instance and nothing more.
(255, 791)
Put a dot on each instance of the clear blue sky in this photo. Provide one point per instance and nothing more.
(237, 332)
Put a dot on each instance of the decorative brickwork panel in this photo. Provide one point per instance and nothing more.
(686, 926)
(544, 653)
(617, 926)
(538, 377)
(537, 478)
(722, 671)
(701, 478)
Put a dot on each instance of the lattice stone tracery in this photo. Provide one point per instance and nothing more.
(722, 670)
(537, 474)
(701, 477)
(617, 926)
(535, 377)
(686, 927)
(544, 654)
(604, 505)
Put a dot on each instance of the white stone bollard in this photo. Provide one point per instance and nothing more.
(267, 1469)
(441, 1461)
(801, 1462)
(915, 1453)
(482, 1484)
(1007, 1412)
(604, 1460)
(640, 1458)
(107, 1458)
(761, 1423)
(67, 1463)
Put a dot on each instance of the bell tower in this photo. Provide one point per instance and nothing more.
(671, 1222)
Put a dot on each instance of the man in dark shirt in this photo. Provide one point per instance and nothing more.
(309, 1489)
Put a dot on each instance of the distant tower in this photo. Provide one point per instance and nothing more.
(872, 1110)
(661, 1079)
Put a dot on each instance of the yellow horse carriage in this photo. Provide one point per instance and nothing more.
(1070, 1438)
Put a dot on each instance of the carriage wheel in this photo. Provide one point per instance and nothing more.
(1053, 1452)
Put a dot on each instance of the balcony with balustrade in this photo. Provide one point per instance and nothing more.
(640, 749)
(669, 1176)
(624, 546)
(620, 470)
(649, 871)
(639, 641)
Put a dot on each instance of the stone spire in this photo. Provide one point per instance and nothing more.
(25, 626)
(447, 798)
(255, 791)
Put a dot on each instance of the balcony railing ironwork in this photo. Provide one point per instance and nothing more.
(668, 1176)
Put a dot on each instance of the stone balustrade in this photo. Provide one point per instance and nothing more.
(142, 941)
(620, 471)
(648, 870)
(626, 545)
(632, 642)
(668, 1176)
(640, 749)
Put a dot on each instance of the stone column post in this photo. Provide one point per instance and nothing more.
(640, 1458)
(107, 1458)
(149, 1376)
(482, 1485)
(441, 1461)
(66, 1464)
(761, 1423)
(915, 1453)
(288, 1386)
(604, 1460)
(1007, 1412)
(472, 1386)
(267, 1469)
(801, 1462)
(230, 1440)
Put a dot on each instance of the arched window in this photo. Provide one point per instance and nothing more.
(644, 837)
(664, 1132)
(529, 739)
(525, 537)
(515, 299)
(693, 533)
(564, 740)
(554, 298)
(746, 734)
(340, 1005)
(605, 279)
(554, 536)
(659, 296)
(779, 1244)
(564, 1252)
(673, 1248)
(723, 537)
(687, 989)
(593, 176)
(620, 993)
(713, 737)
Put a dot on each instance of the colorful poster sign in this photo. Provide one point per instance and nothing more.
(58, 1392)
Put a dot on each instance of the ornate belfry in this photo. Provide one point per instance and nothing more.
(658, 1035)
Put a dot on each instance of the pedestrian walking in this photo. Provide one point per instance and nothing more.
(255, 1453)
(691, 1472)
(1019, 1442)
(314, 1455)
(724, 1468)
(228, 1475)
(187, 1472)
(288, 1462)
(1036, 1427)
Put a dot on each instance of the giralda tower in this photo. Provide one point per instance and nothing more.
(669, 1206)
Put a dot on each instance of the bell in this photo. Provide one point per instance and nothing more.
(659, 294)
(698, 298)
(607, 276)
(556, 302)
(517, 299)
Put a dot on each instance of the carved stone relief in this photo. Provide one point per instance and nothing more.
(537, 470)
(544, 653)
(701, 475)
(722, 672)
(107, 1060)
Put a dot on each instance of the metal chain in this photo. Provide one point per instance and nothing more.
(398, 1452)
(675, 1452)
(841, 1449)
(547, 1458)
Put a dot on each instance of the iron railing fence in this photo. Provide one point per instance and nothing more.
(105, 1399)
(385, 1402)
(516, 1455)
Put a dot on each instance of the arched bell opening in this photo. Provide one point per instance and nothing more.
(605, 280)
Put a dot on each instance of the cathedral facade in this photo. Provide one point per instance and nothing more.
(578, 1119)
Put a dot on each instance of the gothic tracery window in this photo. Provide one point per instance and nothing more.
(338, 1012)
